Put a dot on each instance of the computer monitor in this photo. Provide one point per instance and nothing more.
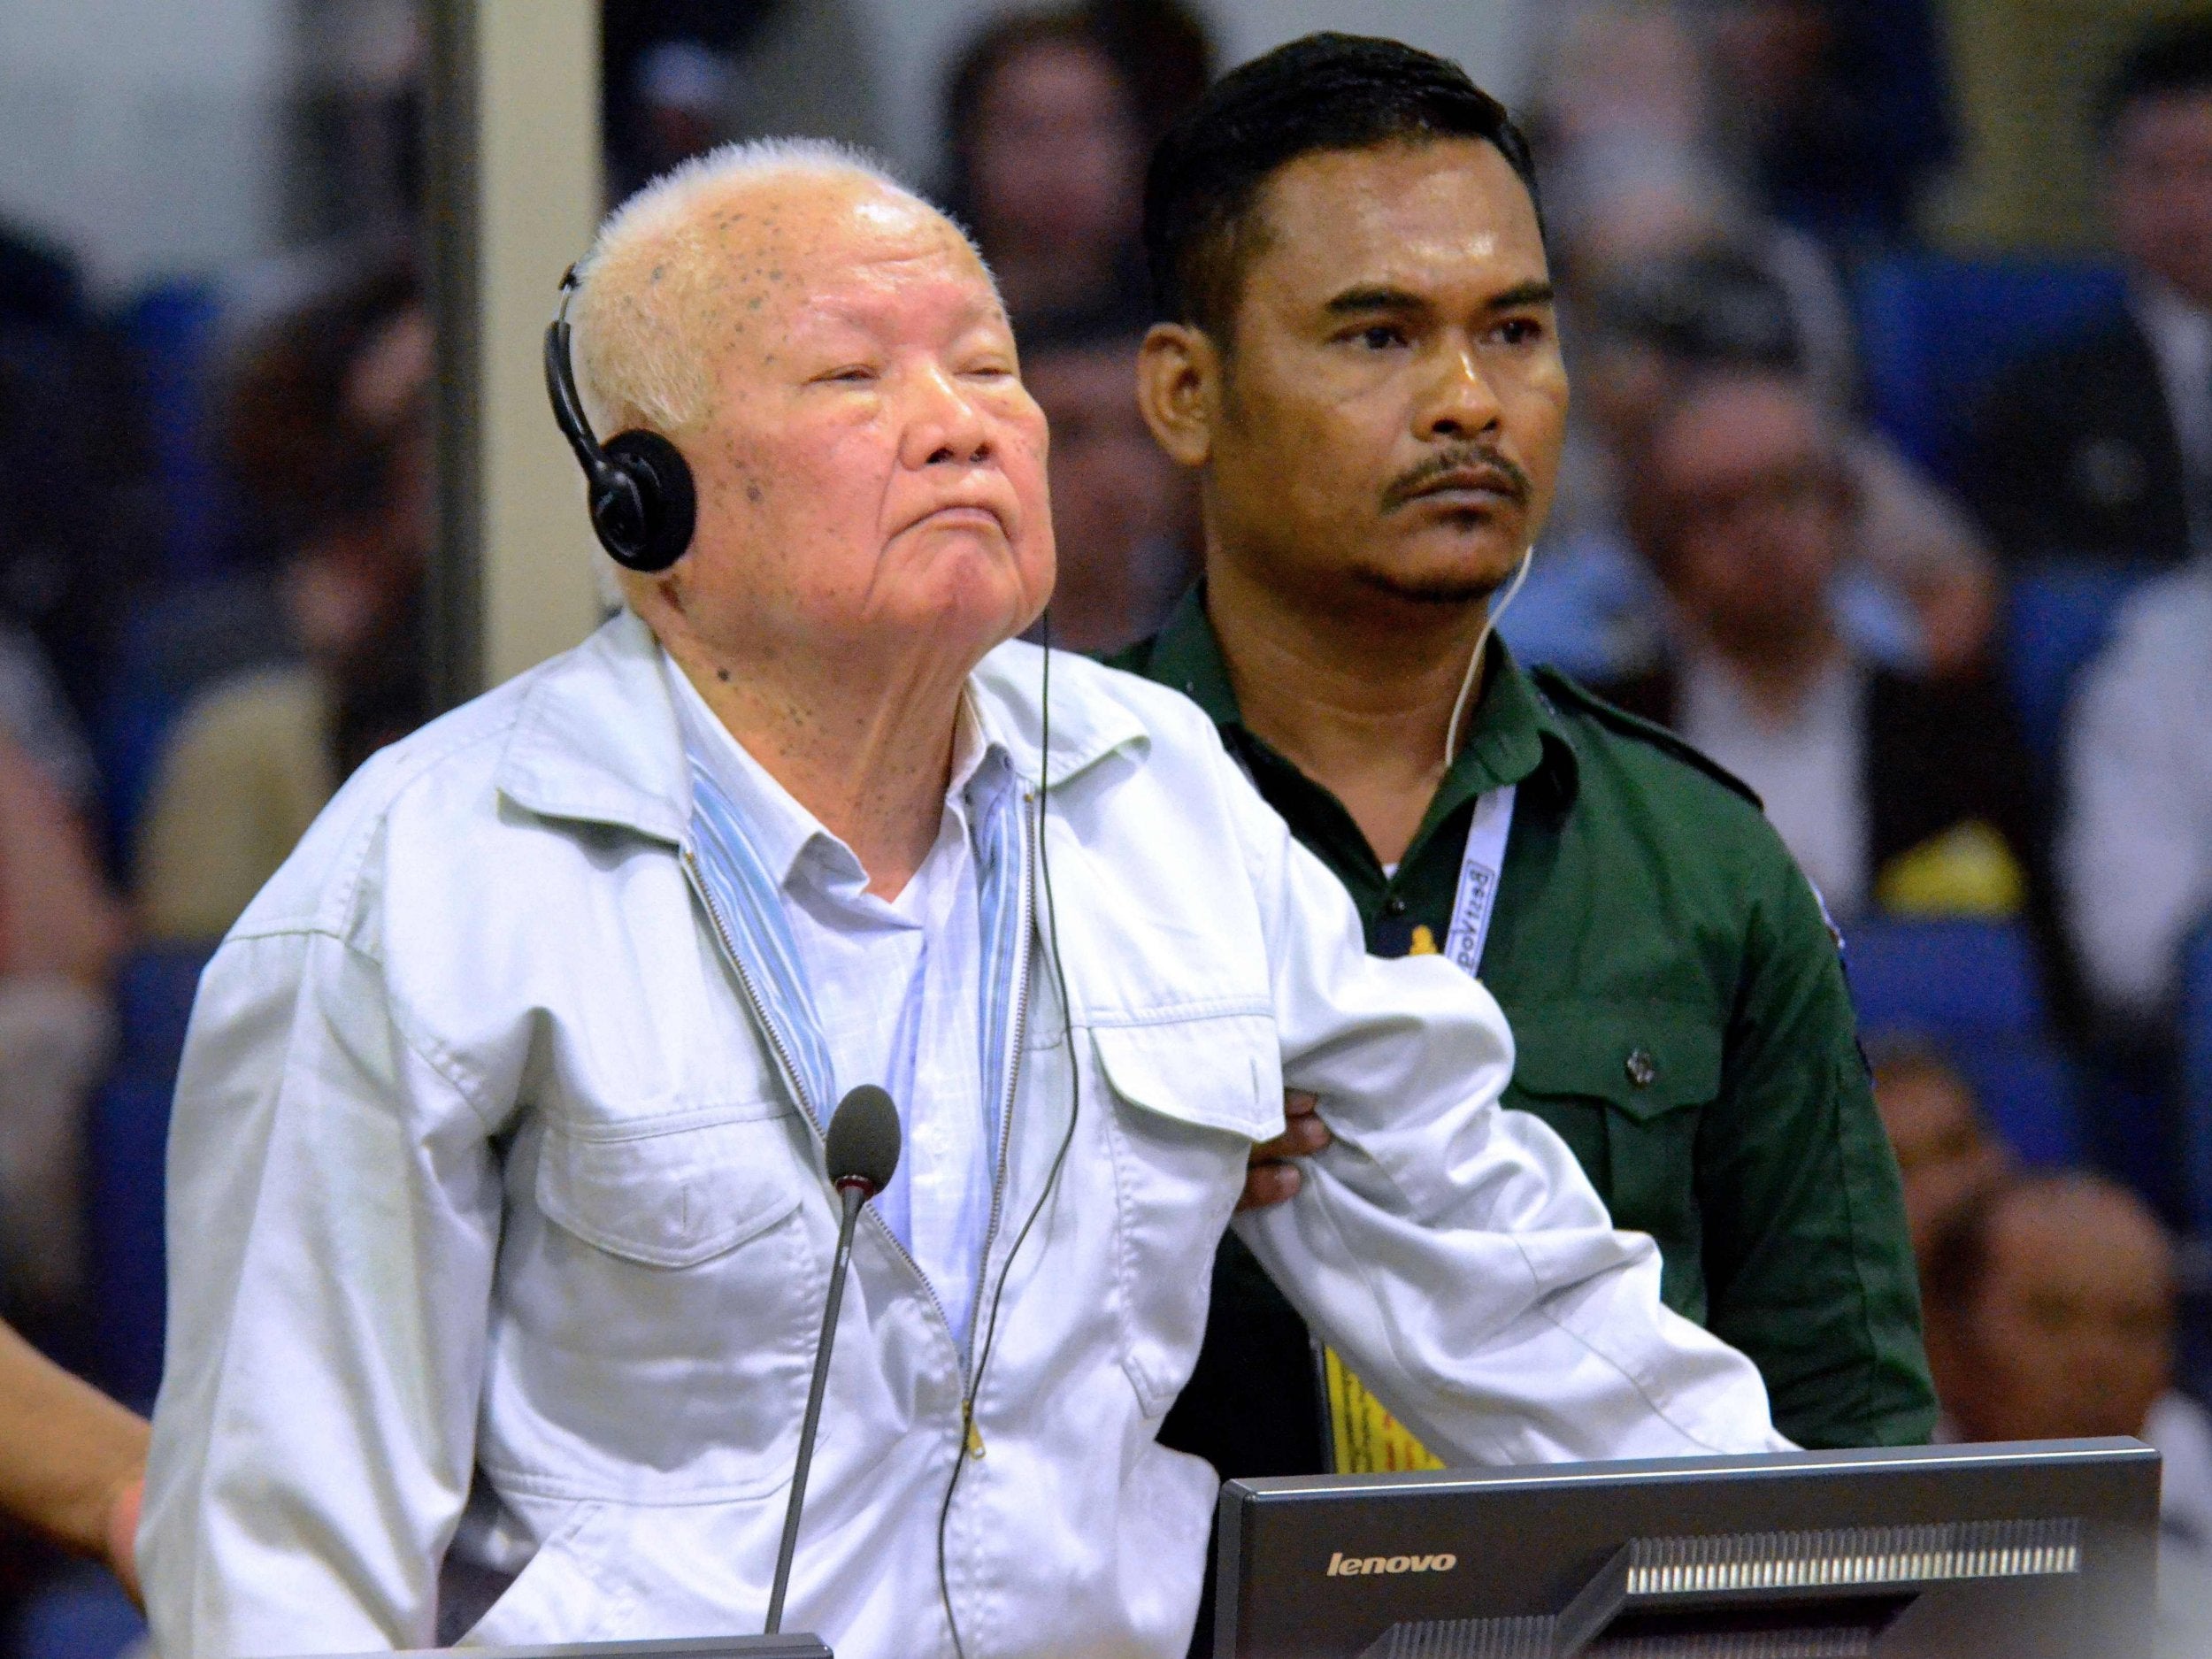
(2041, 1549)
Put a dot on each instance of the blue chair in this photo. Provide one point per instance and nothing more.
(1973, 986)
(171, 329)
(2057, 618)
(86, 1616)
(2196, 1080)
(2031, 1092)
(1951, 976)
(1933, 330)
(127, 1146)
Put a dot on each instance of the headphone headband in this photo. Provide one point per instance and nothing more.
(644, 505)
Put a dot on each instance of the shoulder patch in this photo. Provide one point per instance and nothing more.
(1554, 684)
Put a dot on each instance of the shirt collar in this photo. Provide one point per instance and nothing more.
(1513, 734)
(789, 838)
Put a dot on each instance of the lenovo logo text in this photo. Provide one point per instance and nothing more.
(1343, 1566)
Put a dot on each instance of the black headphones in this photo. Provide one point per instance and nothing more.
(643, 506)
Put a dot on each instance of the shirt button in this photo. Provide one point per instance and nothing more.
(1394, 905)
(1641, 1067)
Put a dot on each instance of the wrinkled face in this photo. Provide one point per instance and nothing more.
(1056, 156)
(2161, 198)
(2072, 1332)
(872, 476)
(1388, 416)
(1751, 511)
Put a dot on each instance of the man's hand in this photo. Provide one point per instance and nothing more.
(1272, 1177)
(123, 1533)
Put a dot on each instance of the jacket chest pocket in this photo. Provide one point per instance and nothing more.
(1187, 1101)
(667, 1308)
(1625, 1087)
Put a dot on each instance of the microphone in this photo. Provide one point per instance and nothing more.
(861, 1151)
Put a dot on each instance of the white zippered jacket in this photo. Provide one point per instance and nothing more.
(484, 1175)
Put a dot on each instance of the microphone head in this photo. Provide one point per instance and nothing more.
(862, 1144)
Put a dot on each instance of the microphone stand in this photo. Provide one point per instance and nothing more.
(852, 1192)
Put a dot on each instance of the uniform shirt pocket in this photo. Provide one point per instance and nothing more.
(1624, 1085)
(1188, 1098)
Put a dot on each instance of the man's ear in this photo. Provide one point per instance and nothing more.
(1179, 388)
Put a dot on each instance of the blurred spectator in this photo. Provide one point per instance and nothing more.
(253, 761)
(1165, 54)
(2101, 447)
(2135, 845)
(1945, 1149)
(1122, 512)
(74, 540)
(1892, 790)
(36, 718)
(1047, 156)
(2059, 1292)
(682, 98)
(1918, 590)
(1840, 108)
(38, 282)
(60, 934)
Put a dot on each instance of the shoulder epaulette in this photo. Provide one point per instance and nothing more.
(1575, 695)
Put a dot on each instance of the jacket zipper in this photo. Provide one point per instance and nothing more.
(791, 1070)
(972, 1437)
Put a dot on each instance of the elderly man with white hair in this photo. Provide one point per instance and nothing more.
(499, 1226)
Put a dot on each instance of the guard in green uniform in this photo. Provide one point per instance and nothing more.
(1361, 360)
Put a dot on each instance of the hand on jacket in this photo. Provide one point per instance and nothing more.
(1272, 1177)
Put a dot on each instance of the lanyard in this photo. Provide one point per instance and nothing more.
(751, 903)
(1480, 869)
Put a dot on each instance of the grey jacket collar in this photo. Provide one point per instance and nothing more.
(597, 741)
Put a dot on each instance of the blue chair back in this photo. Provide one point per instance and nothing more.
(1973, 987)
(128, 1146)
(1933, 330)
(2058, 616)
(171, 332)
(1951, 975)
(84, 1616)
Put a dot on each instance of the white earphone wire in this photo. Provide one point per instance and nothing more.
(1474, 663)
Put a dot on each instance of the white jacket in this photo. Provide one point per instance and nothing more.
(481, 1171)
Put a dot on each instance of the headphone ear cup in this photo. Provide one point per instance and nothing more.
(648, 526)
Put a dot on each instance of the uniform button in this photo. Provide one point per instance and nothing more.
(1393, 906)
(1641, 1068)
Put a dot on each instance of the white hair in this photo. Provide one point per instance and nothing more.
(645, 305)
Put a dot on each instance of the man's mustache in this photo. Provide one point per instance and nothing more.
(1474, 466)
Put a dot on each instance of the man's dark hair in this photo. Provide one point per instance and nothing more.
(1325, 92)
(2172, 59)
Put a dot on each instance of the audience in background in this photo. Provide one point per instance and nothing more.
(1918, 590)
(2101, 447)
(60, 932)
(2135, 843)
(1840, 109)
(257, 756)
(1123, 514)
(1945, 1149)
(683, 98)
(81, 524)
(2056, 1298)
(1894, 790)
(1047, 148)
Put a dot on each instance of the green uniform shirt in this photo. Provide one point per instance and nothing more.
(1680, 1017)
